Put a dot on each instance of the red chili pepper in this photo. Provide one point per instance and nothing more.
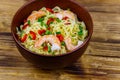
(45, 48)
(24, 38)
(25, 21)
(25, 26)
(33, 35)
(49, 21)
(41, 31)
(65, 18)
(48, 28)
(67, 23)
(60, 37)
(50, 10)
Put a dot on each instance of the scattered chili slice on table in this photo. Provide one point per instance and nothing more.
(33, 35)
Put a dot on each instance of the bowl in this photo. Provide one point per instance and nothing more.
(47, 61)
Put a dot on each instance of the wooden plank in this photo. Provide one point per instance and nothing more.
(101, 60)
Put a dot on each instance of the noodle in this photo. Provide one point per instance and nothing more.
(68, 27)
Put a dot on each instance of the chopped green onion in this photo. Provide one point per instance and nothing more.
(46, 25)
(58, 32)
(58, 20)
(63, 43)
(29, 22)
(40, 19)
(53, 53)
(22, 32)
(43, 24)
(80, 27)
(51, 22)
(30, 38)
(80, 32)
(48, 32)
(49, 48)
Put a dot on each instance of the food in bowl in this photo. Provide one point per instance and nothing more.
(52, 31)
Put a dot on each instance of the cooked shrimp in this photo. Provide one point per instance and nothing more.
(51, 39)
(36, 15)
(67, 13)
(69, 44)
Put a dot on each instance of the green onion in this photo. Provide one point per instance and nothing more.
(80, 27)
(58, 32)
(30, 38)
(58, 20)
(51, 22)
(48, 32)
(43, 24)
(46, 25)
(49, 48)
(21, 35)
(80, 32)
(63, 43)
(53, 53)
(40, 19)
(28, 22)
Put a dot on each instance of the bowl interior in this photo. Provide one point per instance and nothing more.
(26, 10)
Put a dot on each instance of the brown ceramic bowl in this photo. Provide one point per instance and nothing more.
(45, 61)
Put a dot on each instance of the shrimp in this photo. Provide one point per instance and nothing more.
(69, 44)
(65, 13)
(36, 15)
(51, 39)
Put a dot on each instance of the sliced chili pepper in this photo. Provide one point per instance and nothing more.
(48, 28)
(50, 20)
(33, 35)
(60, 37)
(67, 23)
(25, 26)
(24, 38)
(45, 48)
(65, 18)
(50, 10)
(41, 31)
(25, 21)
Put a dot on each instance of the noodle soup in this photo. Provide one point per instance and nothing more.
(52, 31)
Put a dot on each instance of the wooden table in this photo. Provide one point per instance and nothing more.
(101, 60)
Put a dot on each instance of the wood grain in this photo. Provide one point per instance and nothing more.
(101, 60)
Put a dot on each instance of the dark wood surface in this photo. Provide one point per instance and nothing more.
(101, 60)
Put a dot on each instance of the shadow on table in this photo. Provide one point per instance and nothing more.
(73, 69)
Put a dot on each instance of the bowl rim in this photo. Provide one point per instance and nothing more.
(64, 54)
